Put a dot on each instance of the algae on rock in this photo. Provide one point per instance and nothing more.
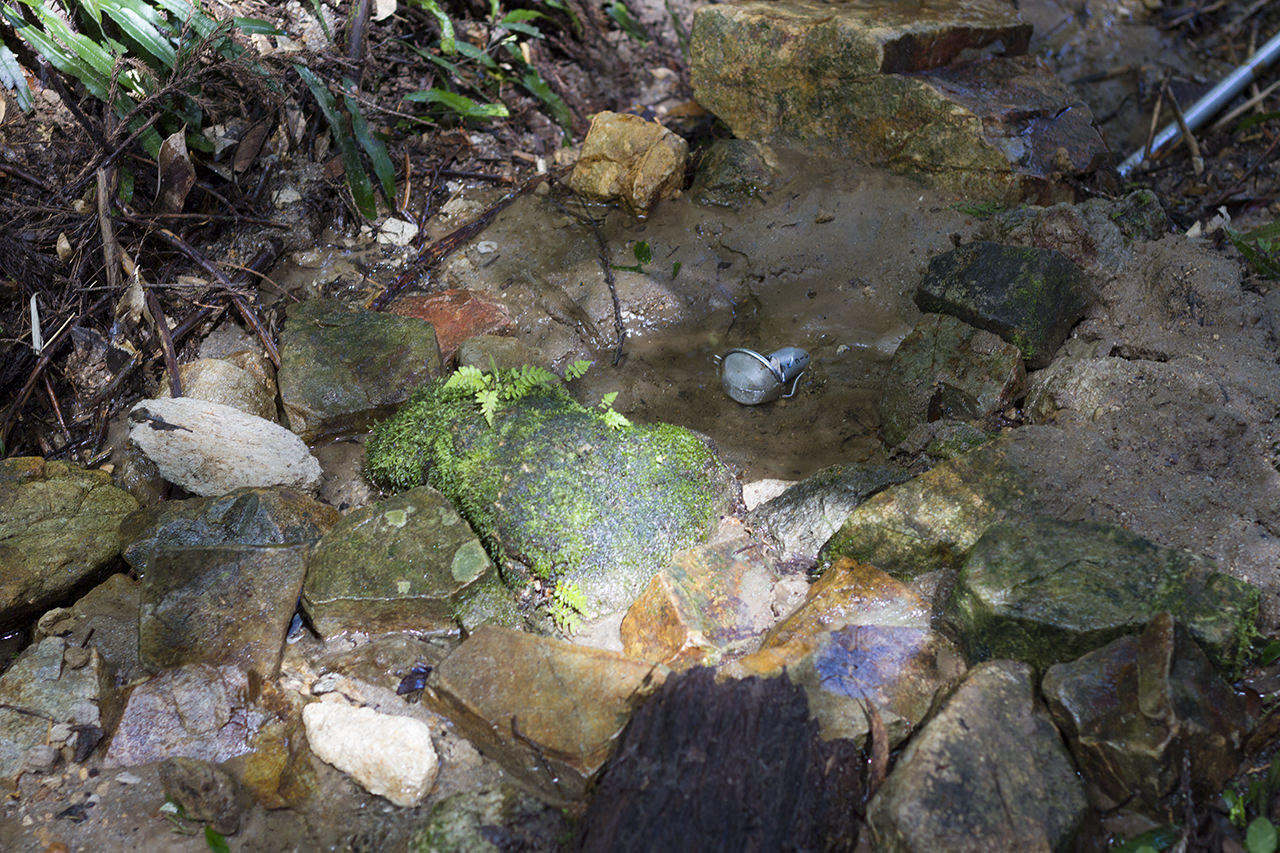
(560, 490)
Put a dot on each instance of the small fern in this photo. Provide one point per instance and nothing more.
(614, 420)
(576, 370)
(492, 388)
(568, 603)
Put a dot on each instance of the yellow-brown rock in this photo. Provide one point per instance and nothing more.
(628, 158)
(546, 710)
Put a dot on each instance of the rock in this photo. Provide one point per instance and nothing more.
(211, 449)
(219, 604)
(250, 388)
(731, 766)
(205, 791)
(734, 171)
(491, 821)
(485, 351)
(196, 711)
(860, 636)
(342, 369)
(804, 516)
(947, 369)
(456, 315)
(987, 772)
(547, 711)
(389, 756)
(1133, 709)
(1046, 591)
(712, 599)
(868, 81)
(53, 683)
(106, 619)
(245, 517)
(1029, 297)
(1097, 235)
(930, 443)
(408, 562)
(628, 158)
(556, 487)
(57, 530)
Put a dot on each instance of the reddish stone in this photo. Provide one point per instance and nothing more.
(456, 316)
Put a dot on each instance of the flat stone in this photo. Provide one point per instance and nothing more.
(105, 618)
(1030, 297)
(197, 711)
(912, 88)
(456, 315)
(211, 449)
(713, 599)
(860, 636)
(405, 563)
(987, 772)
(390, 756)
(219, 605)
(1134, 708)
(947, 369)
(53, 682)
(1046, 591)
(548, 711)
(57, 531)
(627, 158)
(342, 369)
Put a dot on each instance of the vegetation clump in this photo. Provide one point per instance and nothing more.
(577, 502)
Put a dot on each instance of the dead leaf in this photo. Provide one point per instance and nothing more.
(250, 146)
(878, 739)
(177, 175)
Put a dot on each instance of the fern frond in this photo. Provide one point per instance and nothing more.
(576, 370)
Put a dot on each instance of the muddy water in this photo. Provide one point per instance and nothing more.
(827, 261)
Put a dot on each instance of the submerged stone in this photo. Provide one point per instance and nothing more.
(1046, 591)
(548, 711)
(342, 369)
(710, 601)
(57, 530)
(947, 369)
(860, 637)
(1133, 709)
(557, 488)
(456, 316)
(803, 517)
(1030, 297)
(987, 772)
(493, 820)
(405, 563)
(733, 172)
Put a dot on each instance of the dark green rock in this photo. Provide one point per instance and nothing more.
(341, 369)
(987, 772)
(1132, 709)
(251, 516)
(733, 172)
(491, 821)
(57, 530)
(218, 605)
(1046, 591)
(947, 369)
(1028, 296)
(552, 486)
(404, 563)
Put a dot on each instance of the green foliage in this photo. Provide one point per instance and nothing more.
(980, 210)
(1151, 841)
(216, 842)
(643, 253)
(482, 70)
(567, 605)
(1247, 808)
(1261, 248)
(629, 25)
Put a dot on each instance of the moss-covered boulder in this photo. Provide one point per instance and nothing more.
(576, 496)
(1046, 591)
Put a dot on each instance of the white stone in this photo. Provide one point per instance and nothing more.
(390, 756)
(209, 449)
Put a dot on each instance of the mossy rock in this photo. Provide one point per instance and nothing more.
(553, 488)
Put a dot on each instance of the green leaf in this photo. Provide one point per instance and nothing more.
(372, 145)
(216, 842)
(448, 41)
(140, 23)
(577, 370)
(463, 106)
(642, 252)
(615, 420)
(675, 269)
(13, 79)
(606, 402)
(1260, 837)
(1258, 248)
(488, 400)
(259, 27)
(534, 84)
(357, 178)
(622, 15)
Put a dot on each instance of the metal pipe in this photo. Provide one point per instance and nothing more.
(1206, 107)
